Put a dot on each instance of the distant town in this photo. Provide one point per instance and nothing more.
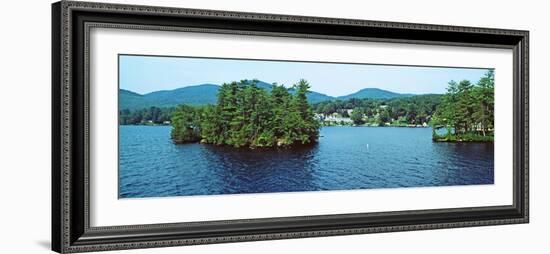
(344, 119)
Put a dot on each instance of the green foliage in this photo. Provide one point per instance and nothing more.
(467, 111)
(149, 116)
(467, 137)
(484, 94)
(384, 117)
(185, 125)
(248, 116)
(357, 116)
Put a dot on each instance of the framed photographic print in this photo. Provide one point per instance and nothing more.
(181, 126)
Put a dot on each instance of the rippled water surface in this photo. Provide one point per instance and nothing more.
(150, 165)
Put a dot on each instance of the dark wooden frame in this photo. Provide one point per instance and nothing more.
(71, 22)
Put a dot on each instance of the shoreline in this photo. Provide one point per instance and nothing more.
(446, 140)
(466, 138)
(369, 126)
(437, 139)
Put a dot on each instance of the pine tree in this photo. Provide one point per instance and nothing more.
(484, 95)
(467, 109)
(185, 126)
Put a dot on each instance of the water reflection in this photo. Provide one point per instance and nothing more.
(150, 165)
(262, 170)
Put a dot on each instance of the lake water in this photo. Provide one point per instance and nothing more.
(150, 165)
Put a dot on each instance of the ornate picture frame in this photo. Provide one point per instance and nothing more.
(71, 229)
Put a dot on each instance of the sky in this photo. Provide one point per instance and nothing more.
(145, 74)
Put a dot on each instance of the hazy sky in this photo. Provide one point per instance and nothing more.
(144, 74)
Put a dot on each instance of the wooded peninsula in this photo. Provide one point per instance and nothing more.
(467, 111)
(246, 115)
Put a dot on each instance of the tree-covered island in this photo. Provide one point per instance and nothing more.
(247, 116)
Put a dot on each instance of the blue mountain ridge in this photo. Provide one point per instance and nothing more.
(204, 94)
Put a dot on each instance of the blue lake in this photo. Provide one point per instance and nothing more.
(150, 165)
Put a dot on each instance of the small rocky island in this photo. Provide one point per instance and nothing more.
(248, 116)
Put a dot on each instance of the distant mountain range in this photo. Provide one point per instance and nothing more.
(207, 94)
(374, 93)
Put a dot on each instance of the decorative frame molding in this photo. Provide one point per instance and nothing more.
(71, 22)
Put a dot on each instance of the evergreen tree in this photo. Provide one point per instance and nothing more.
(185, 127)
(307, 127)
(484, 95)
(211, 126)
(464, 108)
(467, 110)
(280, 101)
